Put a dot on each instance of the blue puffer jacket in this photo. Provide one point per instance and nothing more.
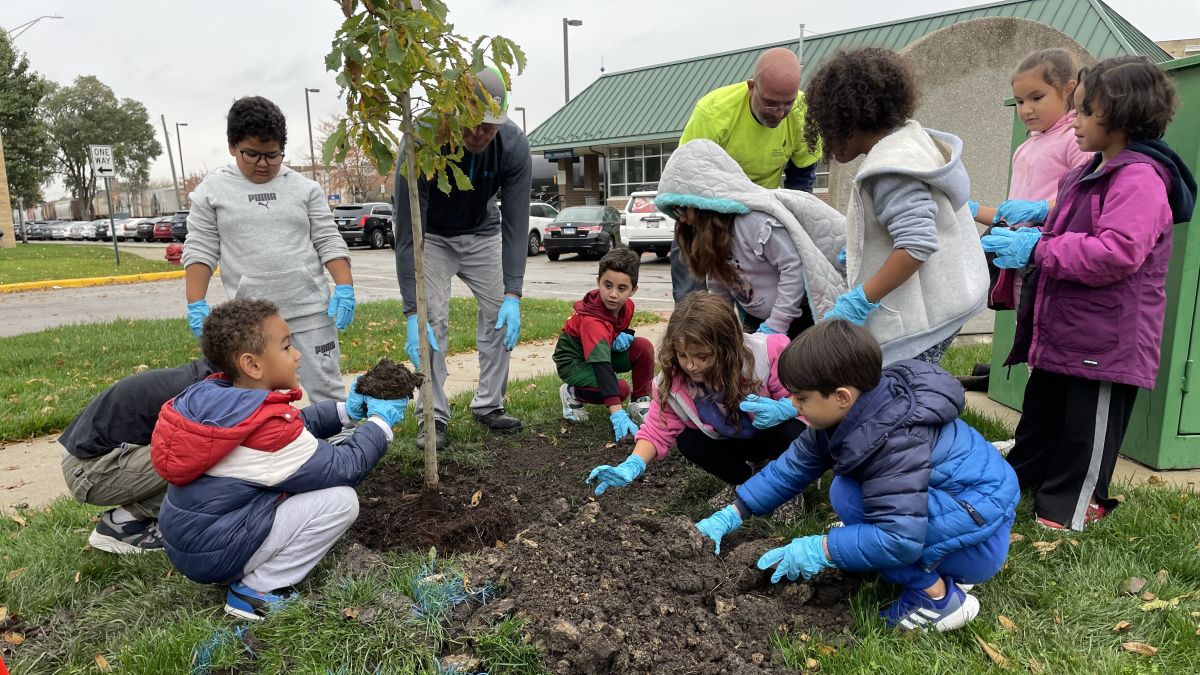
(931, 484)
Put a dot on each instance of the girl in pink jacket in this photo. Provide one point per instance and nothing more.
(718, 398)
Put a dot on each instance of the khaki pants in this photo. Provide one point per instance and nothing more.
(123, 477)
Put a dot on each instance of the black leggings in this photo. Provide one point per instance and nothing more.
(734, 460)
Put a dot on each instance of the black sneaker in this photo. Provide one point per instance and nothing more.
(498, 420)
(136, 536)
(439, 435)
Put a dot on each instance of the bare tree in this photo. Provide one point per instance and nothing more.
(355, 173)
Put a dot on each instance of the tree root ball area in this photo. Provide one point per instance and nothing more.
(605, 585)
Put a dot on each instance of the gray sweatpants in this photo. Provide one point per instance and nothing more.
(123, 477)
(320, 363)
(306, 526)
(476, 260)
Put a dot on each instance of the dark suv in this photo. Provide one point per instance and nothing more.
(369, 223)
(179, 226)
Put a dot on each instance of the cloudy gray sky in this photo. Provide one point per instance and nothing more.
(189, 59)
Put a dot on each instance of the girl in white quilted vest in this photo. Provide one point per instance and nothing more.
(914, 266)
(770, 252)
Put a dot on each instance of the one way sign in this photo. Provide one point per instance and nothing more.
(102, 161)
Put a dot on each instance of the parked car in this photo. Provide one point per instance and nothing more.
(540, 215)
(98, 230)
(145, 230)
(39, 230)
(162, 229)
(369, 223)
(583, 229)
(128, 228)
(179, 225)
(643, 228)
(60, 229)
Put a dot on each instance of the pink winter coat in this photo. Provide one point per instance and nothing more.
(663, 425)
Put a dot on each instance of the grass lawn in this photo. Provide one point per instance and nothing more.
(43, 262)
(47, 377)
(1052, 609)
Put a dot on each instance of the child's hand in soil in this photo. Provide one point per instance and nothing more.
(622, 425)
(356, 403)
(805, 556)
(391, 412)
(617, 476)
(768, 412)
(720, 524)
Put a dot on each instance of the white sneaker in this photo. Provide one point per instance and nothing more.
(638, 410)
(1004, 446)
(572, 409)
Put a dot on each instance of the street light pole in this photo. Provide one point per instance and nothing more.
(567, 59)
(27, 25)
(308, 110)
(522, 109)
(171, 161)
(179, 144)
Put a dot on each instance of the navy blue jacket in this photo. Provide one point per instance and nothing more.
(931, 484)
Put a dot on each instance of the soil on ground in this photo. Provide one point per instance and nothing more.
(389, 380)
(609, 584)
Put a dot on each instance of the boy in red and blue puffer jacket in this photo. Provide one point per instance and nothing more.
(926, 501)
(255, 499)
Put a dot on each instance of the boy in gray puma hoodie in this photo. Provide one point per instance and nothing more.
(272, 232)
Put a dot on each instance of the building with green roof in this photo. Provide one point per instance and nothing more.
(634, 118)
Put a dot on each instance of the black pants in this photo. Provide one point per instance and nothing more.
(798, 325)
(734, 460)
(1067, 443)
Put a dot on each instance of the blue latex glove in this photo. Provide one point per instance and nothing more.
(852, 306)
(341, 305)
(410, 341)
(622, 425)
(842, 258)
(356, 403)
(805, 556)
(974, 207)
(720, 524)
(768, 412)
(390, 411)
(1015, 211)
(622, 342)
(1012, 247)
(766, 330)
(510, 318)
(198, 311)
(617, 476)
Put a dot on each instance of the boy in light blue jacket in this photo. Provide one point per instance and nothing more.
(926, 501)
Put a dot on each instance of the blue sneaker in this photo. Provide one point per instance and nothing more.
(914, 610)
(246, 603)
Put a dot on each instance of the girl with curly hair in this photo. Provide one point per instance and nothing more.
(718, 398)
(1090, 322)
(914, 264)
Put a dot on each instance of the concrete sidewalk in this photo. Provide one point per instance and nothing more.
(30, 471)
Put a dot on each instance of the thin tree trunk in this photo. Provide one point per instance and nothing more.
(418, 236)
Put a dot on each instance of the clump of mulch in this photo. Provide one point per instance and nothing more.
(389, 380)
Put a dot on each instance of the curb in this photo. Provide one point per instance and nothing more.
(89, 281)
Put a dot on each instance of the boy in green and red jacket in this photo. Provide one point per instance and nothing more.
(596, 344)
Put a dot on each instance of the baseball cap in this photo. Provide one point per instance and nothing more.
(490, 83)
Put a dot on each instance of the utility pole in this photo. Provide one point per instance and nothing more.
(308, 111)
(567, 58)
(171, 161)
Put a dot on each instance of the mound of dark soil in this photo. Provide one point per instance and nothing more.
(606, 592)
(389, 380)
(457, 517)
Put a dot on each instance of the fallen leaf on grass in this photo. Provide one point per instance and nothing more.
(1197, 630)
(1139, 648)
(1036, 667)
(1015, 537)
(13, 638)
(1194, 615)
(1173, 516)
(350, 613)
(1132, 586)
(1045, 547)
(1057, 618)
(1161, 577)
(811, 663)
(1154, 604)
(18, 520)
(1120, 499)
(1007, 623)
(1148, 596)
(1073, 542)
(15, 573)
(1154, 479)
(77, 576)
(475, 498)
(826, 650)
(996, 657)
(1122, 626)
(102, 663)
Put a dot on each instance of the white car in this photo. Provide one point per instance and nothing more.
(644, 228)
(540, 215)
(129, 228)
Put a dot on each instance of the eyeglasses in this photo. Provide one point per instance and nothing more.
(252, 156)
(777, 108)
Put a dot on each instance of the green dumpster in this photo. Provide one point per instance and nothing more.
(1164, 431)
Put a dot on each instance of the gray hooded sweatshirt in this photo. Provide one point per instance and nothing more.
(272, 241)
